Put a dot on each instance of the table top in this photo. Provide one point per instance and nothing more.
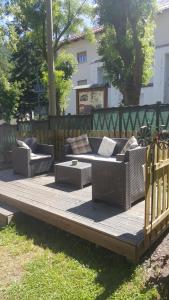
(79, 165)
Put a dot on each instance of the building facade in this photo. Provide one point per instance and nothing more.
(89, 82)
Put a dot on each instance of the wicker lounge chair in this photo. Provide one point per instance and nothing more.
(30, 162)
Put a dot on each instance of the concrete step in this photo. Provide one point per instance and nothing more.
(6, 214)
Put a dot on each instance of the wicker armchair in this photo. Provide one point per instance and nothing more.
(119, 183)
(29, 164)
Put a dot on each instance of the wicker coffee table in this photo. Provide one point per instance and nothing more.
(77, 175)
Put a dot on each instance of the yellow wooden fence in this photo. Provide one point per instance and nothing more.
(157, 189)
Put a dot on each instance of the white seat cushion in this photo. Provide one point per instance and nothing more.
(39, 156)
(91, 157)
(106, 147)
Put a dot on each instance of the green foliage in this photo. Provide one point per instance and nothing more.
(65, 66)
(89, 35)
(27, 31)
(127, 45)
(9, 97)
(67, 63)
(29, 18)
(27, 71)
(9, 90)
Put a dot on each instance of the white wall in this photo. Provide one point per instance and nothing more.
(88, 70)
(84, 69)
(162, 26)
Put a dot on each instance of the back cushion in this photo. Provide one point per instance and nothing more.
(80, 144)
(95, 144)
(96, 141)
(120, 145)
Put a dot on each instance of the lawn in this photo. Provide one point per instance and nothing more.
(38, 261)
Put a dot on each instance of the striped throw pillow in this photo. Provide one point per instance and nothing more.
(80, 144)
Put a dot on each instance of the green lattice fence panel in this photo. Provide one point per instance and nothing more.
(164, 115)
(127, 120)
(134, 118)
(106, 119)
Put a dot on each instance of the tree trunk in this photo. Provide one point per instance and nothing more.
(131, 96)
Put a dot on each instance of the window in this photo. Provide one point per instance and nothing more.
(82, 57)
(82, 82)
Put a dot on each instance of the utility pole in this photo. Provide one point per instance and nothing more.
(50, 55)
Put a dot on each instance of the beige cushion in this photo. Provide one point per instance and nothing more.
(131, 144)
(22, 144)
(80, 144)
(106, 147)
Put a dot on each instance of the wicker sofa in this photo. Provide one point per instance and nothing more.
(30, 162)
(95, 144)
(117, 180)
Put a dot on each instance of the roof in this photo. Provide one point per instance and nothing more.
(82, 35)
(90, 86)
(163, 5)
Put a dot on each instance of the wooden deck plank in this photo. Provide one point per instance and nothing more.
(96, 212)
(88, 209)
(117, 227)
(26, 184)
(74, 211)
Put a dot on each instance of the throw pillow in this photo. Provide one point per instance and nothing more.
(32, 143)
(80, 144)
(22, 144)
(106, 147)
(131, 144)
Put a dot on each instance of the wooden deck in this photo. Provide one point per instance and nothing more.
(73, 210)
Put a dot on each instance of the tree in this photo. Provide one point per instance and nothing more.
(127, 45)
(29, 20)
(9, 90)
(27, 71)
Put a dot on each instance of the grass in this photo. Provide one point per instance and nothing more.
(38, 261)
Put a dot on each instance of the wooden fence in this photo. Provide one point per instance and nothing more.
(157, 189)
(8, 135)
(119, 120)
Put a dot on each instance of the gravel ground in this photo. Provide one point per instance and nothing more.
(158, 267)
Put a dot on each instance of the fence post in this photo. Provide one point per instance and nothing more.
(158, 115)
(120, 120)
